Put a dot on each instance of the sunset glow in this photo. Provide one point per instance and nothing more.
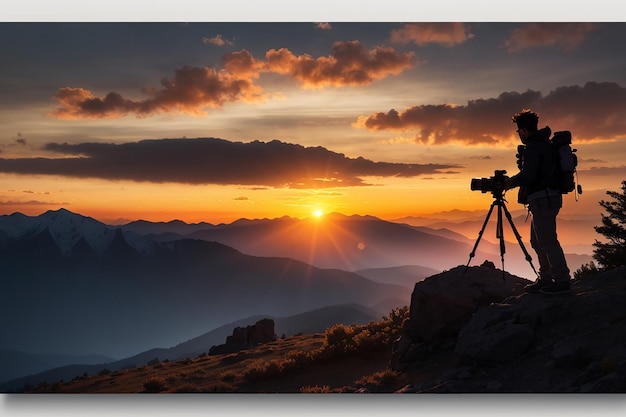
(218, 121)
(274, 197)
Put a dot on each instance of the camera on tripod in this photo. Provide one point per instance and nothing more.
(494, 184)
(497, 185)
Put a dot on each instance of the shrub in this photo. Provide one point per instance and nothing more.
(586, 271)
(187, 388)
(154, 384)
(298, 359)
(315, 389)
(221, 387)
(379, 378)
(227, 376)
(398, 315)
(339, 338)
(261, 369)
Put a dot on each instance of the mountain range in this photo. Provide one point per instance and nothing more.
(336, 241)
(576, 230)
(357, 243)
(75, 286)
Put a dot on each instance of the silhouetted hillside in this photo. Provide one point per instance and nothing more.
(527, 343)
(20, 370)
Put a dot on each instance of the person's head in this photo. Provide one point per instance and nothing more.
(527, 122)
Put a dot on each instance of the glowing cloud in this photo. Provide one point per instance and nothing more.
(217, 40)
(193, 89)
(190, 91)
(323, 26)
(349, 64)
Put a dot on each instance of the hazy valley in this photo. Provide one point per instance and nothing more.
(133, 292)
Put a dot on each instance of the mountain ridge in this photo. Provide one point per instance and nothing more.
(152, 297)
(333, 241)
(367, 242)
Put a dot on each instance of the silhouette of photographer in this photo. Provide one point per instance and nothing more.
(539, 189)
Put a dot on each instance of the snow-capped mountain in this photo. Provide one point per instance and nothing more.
(67, 229)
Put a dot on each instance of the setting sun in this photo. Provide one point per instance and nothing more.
(318, 213)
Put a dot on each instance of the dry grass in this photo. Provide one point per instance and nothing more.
(338, 360)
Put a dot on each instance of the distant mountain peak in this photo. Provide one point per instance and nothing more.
(67, 229)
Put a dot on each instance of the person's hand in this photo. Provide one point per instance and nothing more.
(508, 183)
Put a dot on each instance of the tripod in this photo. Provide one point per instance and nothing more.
(500, 202)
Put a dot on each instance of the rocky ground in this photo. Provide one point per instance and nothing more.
(469, 331)
(534, 343)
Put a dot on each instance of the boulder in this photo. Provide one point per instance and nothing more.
(573, 342)
(246, 337)
(442, 304)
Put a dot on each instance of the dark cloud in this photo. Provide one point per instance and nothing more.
(540, 34)
(194, 89)
(604, 171)
(32, 203)
(20, 139)
(214, 161)
(444, 33)
(594, 111)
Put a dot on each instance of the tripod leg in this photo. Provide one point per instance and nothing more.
(500, 234)
(480, 235)
(519, 239)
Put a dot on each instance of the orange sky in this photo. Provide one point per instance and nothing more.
(218, 121)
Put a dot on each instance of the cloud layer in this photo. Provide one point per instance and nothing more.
(214, 161)
(446, 34)
(592, 111)
(194, 89)
(564, 35)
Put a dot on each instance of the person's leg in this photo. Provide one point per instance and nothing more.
(544, 218)
(544, 212)
(545, 269)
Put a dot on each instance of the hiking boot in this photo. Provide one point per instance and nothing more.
(556, 288)
(536, 286)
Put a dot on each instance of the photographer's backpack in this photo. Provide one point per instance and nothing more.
(566, 162)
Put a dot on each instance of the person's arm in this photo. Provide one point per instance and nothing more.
(528, 174)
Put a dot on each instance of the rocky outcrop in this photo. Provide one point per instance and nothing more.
(246, 337)
(442, 304)
(574, 342)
